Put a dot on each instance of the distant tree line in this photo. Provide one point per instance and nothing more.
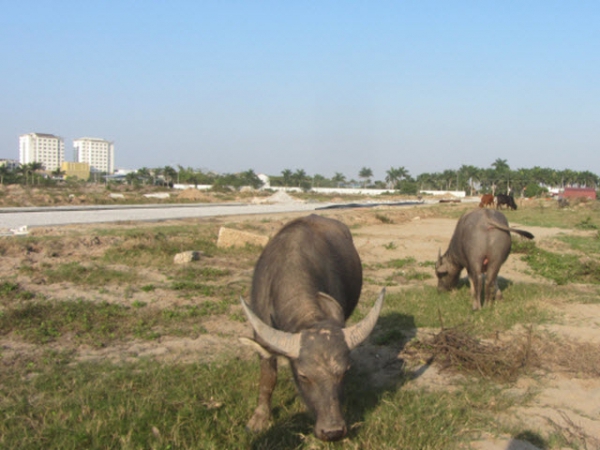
(498, 178)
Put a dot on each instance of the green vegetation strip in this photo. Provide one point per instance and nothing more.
(100, 323)
(51, 404)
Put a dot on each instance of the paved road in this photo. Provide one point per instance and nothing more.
(13, 218)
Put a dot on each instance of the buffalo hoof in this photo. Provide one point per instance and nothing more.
(258, 422)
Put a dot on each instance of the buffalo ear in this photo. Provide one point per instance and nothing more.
(330, 306)
(263, 352)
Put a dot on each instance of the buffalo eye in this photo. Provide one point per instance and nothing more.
(303, 377)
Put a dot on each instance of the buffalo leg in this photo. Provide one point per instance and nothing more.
(266, 384)
(492, 291)
(476, 285)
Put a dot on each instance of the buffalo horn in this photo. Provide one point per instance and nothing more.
(287, 344)
(357, 333)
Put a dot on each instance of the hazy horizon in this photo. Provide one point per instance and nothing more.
(324, 87)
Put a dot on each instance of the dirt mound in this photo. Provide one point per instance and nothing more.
(279, 197)
(194, 194)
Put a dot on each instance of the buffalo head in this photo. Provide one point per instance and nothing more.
(447, 273)
(319, 358)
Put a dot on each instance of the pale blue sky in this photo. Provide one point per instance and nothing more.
(324, 86)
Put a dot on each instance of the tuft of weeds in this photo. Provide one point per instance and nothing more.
(43, 322)
(588, 245)
(10, 291)
(99, 324)
(155, 247)
(92, 275)
(523, 246)
(586, 224)
(400, 263)
(148, 288)
(425, 305)
(383, 218)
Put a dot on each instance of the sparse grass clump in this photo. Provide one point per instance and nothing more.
(101, 323)
(383, 218)
(11, 291)
(563, 268)
(88, 275)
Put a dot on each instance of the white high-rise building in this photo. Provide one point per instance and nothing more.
(98, 153)
(47, 149)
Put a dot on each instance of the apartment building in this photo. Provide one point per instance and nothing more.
(47, 149)
(98, 153)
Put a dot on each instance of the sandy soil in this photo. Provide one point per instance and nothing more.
(566, 400)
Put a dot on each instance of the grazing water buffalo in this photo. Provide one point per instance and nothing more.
(481, 243)
(508, 200)
(486, 200)
(306, 284)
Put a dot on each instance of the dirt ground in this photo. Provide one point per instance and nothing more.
(566, 400)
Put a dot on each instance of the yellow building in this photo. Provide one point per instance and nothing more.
(76, 169)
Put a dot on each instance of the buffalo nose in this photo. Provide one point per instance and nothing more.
(332, 435)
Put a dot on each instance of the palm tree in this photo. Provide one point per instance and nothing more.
(287, 177)
(170, 174)
(449, 176)
(30, 169)
(470, 173)
(4, 172)
(394, 175)
(318, 179)
(299, 177)
(58, 173)
(365, 173)
(249, 178)
(426, 180)
(501, 165)
(339, 179)
(144, 174)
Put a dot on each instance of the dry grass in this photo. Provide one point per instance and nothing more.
(505, 360)
(456, 350)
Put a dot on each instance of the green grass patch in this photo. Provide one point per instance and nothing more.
(552, 216)
(585, 244)
(100, 323)
(42, 322)
(563, 268)
(401, 263)
(206, 406)
(206, 273)
(424, 307)
(11, 291)
(157, 246)
(89, 275)
(586, 224)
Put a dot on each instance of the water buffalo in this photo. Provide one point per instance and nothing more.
(306, 283)
(481, 243)
(508, 200)
(486, 200)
